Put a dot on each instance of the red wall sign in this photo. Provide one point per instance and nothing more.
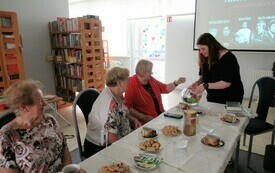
(169, 19)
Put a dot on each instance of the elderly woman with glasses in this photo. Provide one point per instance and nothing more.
(33, 141)
(143, 96)
(109, 119)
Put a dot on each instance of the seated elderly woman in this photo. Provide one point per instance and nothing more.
(32, 142)
(109, 118)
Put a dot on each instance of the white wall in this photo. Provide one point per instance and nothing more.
(182, 59)
(250, 61)
(33, 17)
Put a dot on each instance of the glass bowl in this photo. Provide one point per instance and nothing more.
(189, 97)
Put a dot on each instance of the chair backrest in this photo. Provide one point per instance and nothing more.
(266, 86)
(6, 117)
(84, 100)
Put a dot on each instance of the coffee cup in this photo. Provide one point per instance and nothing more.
(212, 139)
(230, 118)
(71, 168)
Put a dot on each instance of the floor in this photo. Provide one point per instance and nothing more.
(169, 100)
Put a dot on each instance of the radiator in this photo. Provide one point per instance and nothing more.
(257, 74)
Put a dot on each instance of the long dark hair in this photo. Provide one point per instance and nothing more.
(213, 46)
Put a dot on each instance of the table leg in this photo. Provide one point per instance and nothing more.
(237, 155)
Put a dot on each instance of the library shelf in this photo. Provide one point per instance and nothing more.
(11, 60)
(77, 48)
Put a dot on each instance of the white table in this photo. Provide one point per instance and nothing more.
(195, 158)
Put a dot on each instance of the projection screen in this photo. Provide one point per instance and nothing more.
(240, 25)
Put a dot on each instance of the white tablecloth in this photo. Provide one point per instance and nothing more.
(195, 158)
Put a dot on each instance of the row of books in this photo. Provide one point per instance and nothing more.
(8, 35)
(91, 16)
(9, 45)
(67, 55)
(65, 24)
(70, 24)
(70, 40)
(5, 22)
(14, 77)
(69, 70)
(71, 84)
(66, 95)
(69, 95)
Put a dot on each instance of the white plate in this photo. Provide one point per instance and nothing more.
(147, 164)
(114, 166)
(151, 151)
(143, 168)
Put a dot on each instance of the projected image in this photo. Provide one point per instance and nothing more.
(242, 35)
(261, 35)
(227, 36)
(238, 24)
(272, 29)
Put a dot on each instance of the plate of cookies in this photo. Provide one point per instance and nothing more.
(171, 130)
(115, 167)
(151, 145)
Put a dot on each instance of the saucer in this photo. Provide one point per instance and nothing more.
(115, 167)
(221, 143)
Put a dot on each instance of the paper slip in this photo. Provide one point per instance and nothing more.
(181, 144)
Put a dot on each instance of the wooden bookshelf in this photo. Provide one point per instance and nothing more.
(77, 48)
(11, 61)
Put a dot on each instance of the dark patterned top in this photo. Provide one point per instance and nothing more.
(39, 149)
(118, 119)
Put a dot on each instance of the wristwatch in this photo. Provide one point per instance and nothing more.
(205, 85)
(175, 83)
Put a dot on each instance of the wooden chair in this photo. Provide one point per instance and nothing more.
(84, 100)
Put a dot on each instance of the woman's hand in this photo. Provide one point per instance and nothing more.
(171, 86)
(180, 80)
(193, 86)
(66, 159)
(135, 122)
(199, 90)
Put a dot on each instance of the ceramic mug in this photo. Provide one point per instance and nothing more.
(71, 168)
(213, 139)
(230, 117)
